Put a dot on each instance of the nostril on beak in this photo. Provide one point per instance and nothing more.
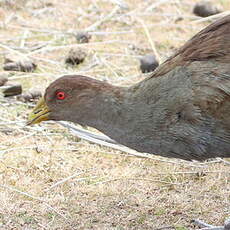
(38, 111)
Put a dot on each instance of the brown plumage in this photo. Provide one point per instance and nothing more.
(181, 111)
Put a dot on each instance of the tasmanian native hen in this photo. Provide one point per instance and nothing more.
(182, 110)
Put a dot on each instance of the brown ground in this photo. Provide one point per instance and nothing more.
(102, 188)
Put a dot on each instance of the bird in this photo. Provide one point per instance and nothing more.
(182, 110)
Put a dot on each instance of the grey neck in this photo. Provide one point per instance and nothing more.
(108, 113)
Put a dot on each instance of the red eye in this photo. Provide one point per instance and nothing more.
(60, 95)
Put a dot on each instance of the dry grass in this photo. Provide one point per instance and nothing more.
(52, 180)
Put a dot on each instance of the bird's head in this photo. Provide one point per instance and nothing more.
(69, 98)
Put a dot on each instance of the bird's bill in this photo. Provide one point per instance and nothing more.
(40, 113)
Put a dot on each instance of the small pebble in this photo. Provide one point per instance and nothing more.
(178, 19)
(30, 96)
(12, 90)
(12, 63)
(206, 8)
(75, 56)
(83, 37)
(148, 63)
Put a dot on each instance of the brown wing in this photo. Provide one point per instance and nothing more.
(212, 91)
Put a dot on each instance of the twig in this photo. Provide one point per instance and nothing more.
(202, 224)
(187, 172)
(119, 55)
(164, 227)
(12, 50)
(150, 39)
(34, 198)
(86, 134)
(224, 161)
(60, 32)
(120, 3)
(136, 179)
(213, 17)
(23, 39)
(8, 19)
(53, 48)
(2, 152)
(108, 65)
(24, 76)
(102, 20)
(65, 180)
(11, 167)
(156, 4)
(205, 226)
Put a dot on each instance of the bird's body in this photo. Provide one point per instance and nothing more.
(181, 111)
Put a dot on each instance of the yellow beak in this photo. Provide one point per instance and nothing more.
(40, 113)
